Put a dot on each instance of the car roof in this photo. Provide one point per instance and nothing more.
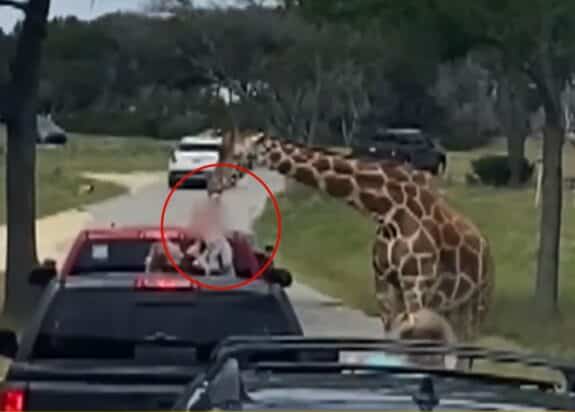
(125, 280)
(201, 140)
(141, 231)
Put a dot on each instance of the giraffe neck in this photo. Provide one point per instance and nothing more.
(398, 171)
(371, 188)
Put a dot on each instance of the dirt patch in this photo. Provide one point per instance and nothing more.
(134, 182)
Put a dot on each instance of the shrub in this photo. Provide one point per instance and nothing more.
(494, 170)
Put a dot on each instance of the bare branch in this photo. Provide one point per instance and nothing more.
(22, 6)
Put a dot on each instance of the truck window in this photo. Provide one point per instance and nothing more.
(111, 324)
(112, 256)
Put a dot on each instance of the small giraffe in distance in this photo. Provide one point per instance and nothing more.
(425, 254)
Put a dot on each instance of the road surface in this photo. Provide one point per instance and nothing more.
(319, 314)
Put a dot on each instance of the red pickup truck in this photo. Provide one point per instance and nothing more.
(124, 249)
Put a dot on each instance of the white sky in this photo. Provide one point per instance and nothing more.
(82, 9)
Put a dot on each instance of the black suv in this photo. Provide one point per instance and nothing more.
(406, 145)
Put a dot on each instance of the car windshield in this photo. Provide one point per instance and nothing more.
(79, 326)
(190, 147)
(400, 138)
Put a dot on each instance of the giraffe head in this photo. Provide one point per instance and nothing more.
(425, 324)
(253, 148)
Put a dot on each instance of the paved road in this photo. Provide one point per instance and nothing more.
(320, 314)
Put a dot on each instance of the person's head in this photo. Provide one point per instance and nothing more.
(206, 219)
(157, 261)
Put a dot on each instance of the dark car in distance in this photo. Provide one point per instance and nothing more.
(409, 145)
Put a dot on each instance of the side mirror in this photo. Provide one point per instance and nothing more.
(43, 274)
(282, 277)
(269, 249)
(8, 343)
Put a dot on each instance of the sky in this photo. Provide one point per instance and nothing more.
(82, 9)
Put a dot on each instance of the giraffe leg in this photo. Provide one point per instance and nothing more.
(388, 292)
(389, 299)
(417, 286)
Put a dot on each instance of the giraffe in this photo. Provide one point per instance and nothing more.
(425, 253)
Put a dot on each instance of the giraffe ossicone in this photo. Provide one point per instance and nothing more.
(425, 253)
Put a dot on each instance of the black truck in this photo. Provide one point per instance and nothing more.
(122, 341)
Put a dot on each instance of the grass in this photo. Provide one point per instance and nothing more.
(60, 169)
(328, 245)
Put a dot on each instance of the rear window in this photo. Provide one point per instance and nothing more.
(114, 324)
(113, 256)
(408, 139)
(187, 147)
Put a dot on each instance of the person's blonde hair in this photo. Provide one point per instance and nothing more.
(157, 261)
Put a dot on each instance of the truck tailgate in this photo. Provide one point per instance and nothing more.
(74, 396)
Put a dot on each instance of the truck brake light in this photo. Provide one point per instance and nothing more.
(12, 400)
(157, 234)
(163, 283)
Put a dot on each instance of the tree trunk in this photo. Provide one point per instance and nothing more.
(547, 283)
(21, 255)
(514, 119)
(516, 153)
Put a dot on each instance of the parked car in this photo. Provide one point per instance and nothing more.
(408, 145)
(190, 153)
(49, 133)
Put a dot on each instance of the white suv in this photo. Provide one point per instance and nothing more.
(190, 153)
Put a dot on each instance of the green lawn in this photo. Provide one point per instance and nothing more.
(59, 169)
(328, 245)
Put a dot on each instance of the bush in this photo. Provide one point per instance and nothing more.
(494, 170)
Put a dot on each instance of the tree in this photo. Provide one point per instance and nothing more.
(514, 115)
(20, 120)
(532, 37)
(464, 89)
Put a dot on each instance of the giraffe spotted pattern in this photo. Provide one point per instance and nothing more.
(424, 255)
